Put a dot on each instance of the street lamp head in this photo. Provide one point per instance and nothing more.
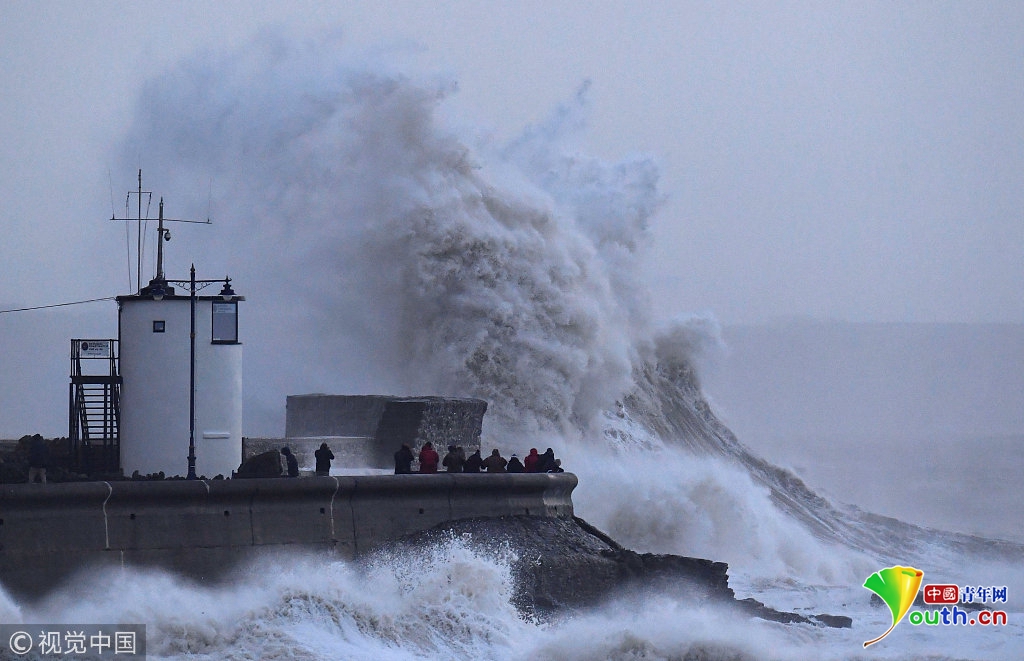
(227, 293)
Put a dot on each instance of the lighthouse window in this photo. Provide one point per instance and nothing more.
(159, 325)
(225, 323)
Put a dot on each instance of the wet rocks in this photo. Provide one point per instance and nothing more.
(561, 565)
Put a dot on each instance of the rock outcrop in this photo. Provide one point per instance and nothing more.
(265, 464)
(561, 565)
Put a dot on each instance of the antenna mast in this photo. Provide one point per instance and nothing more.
(140, 220)
(162, 234)
(138, 249)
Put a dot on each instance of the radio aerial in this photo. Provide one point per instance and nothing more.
(162, 232)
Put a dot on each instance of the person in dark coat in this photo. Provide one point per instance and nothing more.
(293, 463)
(428, 458)
(323, 460)
(454, 460)
(557, 468)
(514, 465)
(530, 463)
(495, 463)
(403, 460)
(38, 459)
(546, 462)
(473, 463)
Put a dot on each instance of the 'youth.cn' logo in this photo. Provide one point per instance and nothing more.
(898, 587)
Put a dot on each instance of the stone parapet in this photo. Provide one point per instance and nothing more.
(202, 528)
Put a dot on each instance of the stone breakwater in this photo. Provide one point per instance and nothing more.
(204, 529)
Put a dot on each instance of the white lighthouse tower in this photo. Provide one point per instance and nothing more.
(181, 369)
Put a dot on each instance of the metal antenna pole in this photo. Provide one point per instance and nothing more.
(160, 244)
(138, 248)
(163, 234)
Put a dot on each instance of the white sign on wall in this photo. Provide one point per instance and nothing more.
(94, 348)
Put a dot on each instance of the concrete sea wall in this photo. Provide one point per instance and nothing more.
(202, 528)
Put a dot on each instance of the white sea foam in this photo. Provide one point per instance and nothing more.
(450, 601)
(671, 500)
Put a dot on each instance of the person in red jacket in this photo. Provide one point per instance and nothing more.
(428, 458)
(530, 462)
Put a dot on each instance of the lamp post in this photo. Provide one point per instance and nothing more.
(226, 293)
(192, 377)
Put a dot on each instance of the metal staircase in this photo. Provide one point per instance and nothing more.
(94, 416)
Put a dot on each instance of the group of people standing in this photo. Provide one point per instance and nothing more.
(456, 461)
(323, 461)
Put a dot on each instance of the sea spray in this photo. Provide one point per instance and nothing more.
(668, 500)
(420, 261)
(445, 600)
(10, 612)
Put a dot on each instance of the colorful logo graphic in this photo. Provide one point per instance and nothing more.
(897, 586)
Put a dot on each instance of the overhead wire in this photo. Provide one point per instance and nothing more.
(58, 305)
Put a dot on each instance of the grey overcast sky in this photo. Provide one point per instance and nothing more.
(851, 160)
